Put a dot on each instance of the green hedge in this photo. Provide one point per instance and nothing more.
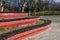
(46, 13)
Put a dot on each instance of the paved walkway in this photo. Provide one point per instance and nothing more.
(54, 33)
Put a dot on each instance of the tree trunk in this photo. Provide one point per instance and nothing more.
(23, 9)
(2, 7)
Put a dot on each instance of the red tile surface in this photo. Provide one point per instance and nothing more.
(30, 33)
(13, 15)
(18, 23)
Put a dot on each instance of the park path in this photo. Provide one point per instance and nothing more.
(54, 33)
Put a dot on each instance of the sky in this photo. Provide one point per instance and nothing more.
(57, 0)
(16, 3)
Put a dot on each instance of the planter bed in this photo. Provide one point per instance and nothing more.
(10, 24)
(28, 29)
(13, 15)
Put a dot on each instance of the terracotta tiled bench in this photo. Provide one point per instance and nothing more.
(24, 35)
(13, 15)
(18, 19)
(18, 23)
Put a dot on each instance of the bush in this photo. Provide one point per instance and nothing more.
(46, 13)
(1, 29)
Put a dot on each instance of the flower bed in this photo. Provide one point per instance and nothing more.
(22, 33)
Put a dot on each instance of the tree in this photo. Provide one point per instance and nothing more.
(3, 4)
(47, 4)
(31, 5)
(40, 5)
(22, 4)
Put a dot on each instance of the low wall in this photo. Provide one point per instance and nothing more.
(30, 33)
(13, 15)
(15, 19)
(18, 23)
(21, 34)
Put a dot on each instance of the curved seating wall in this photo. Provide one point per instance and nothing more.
(37, 29)
(15, 19)
(30, 33)
(18, 23)
(13, 15)
(21, 34)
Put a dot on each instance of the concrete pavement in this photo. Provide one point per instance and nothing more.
(53, 34)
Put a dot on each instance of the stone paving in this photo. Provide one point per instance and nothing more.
(53, 34)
